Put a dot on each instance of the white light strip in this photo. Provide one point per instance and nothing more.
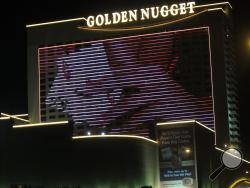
(40, 124)
(129, 37)
(205, 126)
(187, 121)
(174, 112)
(217, 9)
(55, 22)
(175, 122)
(21, 115)
(233, 155)
(4, 118)
(113, 136)
(14, 117)
(214, 4)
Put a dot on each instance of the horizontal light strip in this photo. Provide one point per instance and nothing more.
(114, 136)
(41, 124)
(18, 115)
(96, 46)
(4, 118)
(21, 115)
(78, 81)
(14, 117)
(144, 35)
(176, 122)
(140, 123)
(129, 46)
(181, 103)
(55, 22)
(172, 106)
(95, 59)
(214, 4)
(57, 50)
(187, 121)
(248, 162)
(204, 118)
(187, 111)
(168, 116)
(213, 9)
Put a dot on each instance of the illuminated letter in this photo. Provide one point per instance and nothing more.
(116, 17)
(155, 15)
(99, 20)
(174, 10)
(124, 16)
(191, 6)
(164, 11)
(90, 21)
(107, 21)
(132, 15)
(144, 13)
(182, 8)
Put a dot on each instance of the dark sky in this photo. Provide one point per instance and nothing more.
(15, 15)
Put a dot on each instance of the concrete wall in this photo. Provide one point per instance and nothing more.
(49, 157)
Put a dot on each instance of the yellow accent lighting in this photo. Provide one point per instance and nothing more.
(187, 150)
(213, 4)
(56, 22)
(240, 180)
(7, 117)
(186, 121)
(21, 115)
(41, 124)
(15, 117)
(114, 136)
(176, 122)
(213, 9)
(4, 118)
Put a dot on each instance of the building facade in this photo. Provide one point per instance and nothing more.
(124, 79)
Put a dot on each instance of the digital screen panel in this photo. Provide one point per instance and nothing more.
(125, 85)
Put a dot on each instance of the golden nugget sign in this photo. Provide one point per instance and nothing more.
(141, 14)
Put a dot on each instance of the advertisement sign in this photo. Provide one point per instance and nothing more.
(177, 158)
(124, 85)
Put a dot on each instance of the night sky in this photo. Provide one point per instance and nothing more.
(15, 15)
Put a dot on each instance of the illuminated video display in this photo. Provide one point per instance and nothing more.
(125, 85)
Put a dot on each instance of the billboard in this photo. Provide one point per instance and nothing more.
(177, 157)
(125, 85)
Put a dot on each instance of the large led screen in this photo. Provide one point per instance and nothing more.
(125, 85)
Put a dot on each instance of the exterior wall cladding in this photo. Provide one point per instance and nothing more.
(225, 100)
(231, 85)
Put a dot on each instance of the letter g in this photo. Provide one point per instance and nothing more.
(90, 21)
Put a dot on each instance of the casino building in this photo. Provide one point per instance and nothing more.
(123, 77)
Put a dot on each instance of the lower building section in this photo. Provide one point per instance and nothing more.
(183, 156)
(50, 158)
